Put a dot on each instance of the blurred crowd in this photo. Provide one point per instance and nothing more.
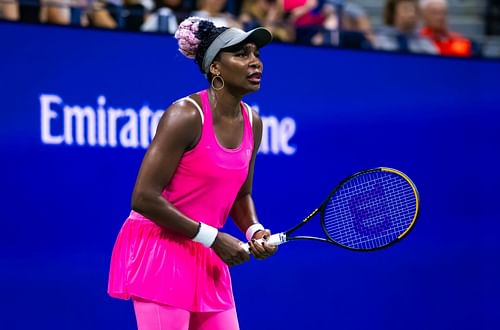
(417, 26)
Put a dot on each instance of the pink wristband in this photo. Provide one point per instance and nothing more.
(252, 230)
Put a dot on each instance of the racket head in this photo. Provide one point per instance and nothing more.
(371, 210)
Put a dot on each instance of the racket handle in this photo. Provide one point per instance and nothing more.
(276, 239)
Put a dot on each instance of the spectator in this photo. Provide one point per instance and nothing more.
(213, 10)
(55, 11)
(305, 13)
(356, 28)
(29, 11)
(353, 30)
(163, 18)
(105, 14)
(400, 32)
(492, 17)
(36, 11)
(123, 14)
(268, 14)
(435, 14)
(9, 10)
(354, 18)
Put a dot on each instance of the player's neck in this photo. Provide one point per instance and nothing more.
(224, 103)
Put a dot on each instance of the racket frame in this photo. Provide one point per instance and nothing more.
(285, 235)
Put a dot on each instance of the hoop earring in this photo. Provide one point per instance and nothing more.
(213, 82)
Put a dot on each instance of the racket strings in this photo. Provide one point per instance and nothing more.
(370, 210)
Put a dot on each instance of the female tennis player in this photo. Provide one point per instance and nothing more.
(170, 256)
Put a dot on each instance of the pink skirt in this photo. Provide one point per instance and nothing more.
(154, 264)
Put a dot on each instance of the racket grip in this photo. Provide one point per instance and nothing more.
(275, 239)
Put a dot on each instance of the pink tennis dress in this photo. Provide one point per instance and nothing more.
(155, 264)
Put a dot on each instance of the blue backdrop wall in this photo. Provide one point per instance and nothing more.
(78, 108)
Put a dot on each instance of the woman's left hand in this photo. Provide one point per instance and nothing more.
(262, 250)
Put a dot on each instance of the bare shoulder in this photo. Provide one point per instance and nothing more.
(256, 121)
(256, 117)
(181, 121)
(185, 110)
(256, 127)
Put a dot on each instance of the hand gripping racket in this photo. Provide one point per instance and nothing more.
(367, 211)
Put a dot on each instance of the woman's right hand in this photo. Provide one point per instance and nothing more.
(229, 249)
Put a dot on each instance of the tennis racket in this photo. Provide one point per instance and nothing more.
(367, 211)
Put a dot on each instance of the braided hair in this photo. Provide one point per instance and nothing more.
(194, 35)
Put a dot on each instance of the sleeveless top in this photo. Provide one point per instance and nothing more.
(209, 176)
(153, 263)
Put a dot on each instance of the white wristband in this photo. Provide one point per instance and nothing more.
(252, 230)
(206, 235)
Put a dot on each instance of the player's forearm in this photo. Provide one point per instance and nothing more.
(243, 212)
(163, 213)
